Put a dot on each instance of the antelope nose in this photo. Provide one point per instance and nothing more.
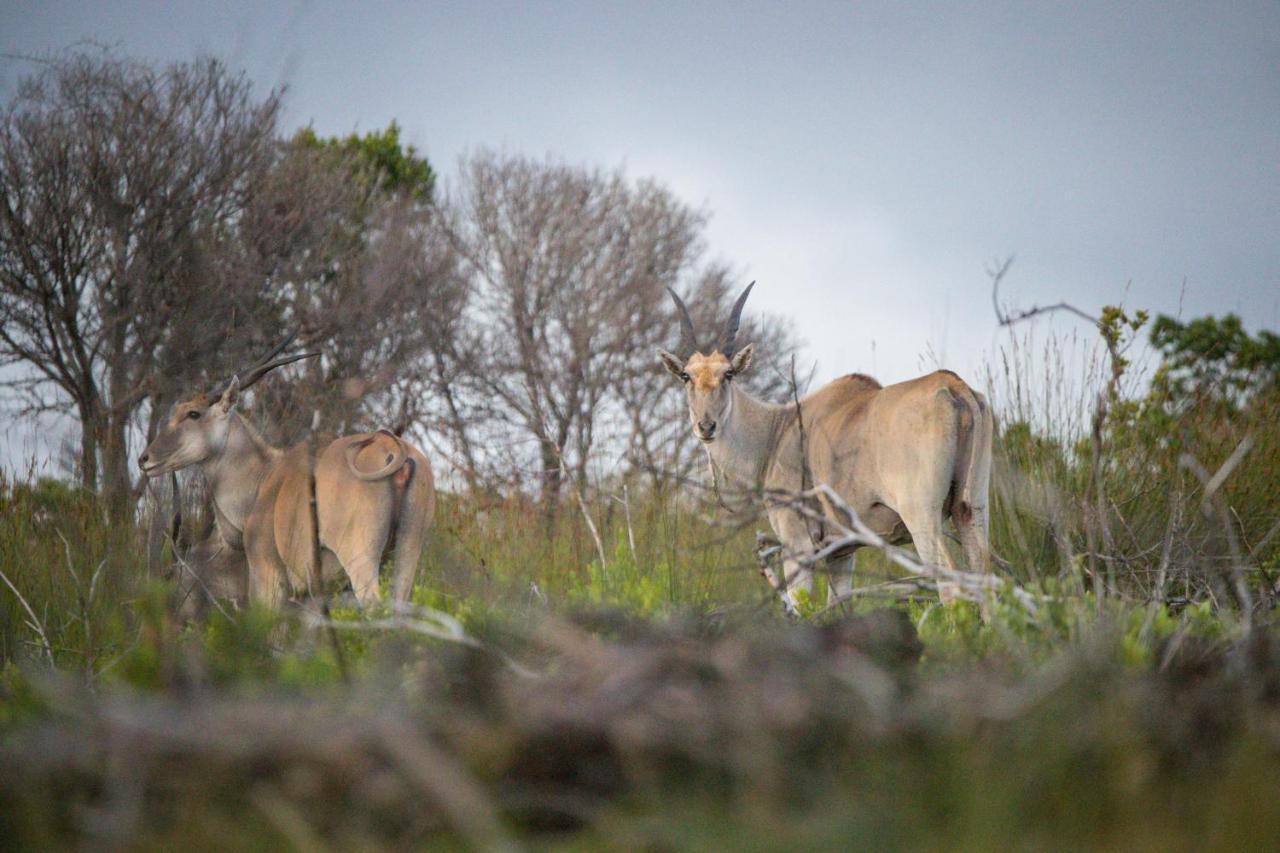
(706, 429)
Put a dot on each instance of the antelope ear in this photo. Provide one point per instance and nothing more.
(741, 360)
(673, 365)
(229, 397)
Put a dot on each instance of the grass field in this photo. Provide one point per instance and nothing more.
(538, 696)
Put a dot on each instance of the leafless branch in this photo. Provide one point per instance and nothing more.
(33, 621)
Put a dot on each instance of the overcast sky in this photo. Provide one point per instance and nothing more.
(865, 161)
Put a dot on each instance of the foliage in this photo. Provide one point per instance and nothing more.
(397, 167)
(1214, 358)
(1162, 525)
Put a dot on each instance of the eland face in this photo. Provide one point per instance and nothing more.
(195, 432)
(707, 379)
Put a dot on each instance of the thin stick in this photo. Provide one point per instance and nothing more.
(424, 621)
(1211, 504)
(631, 536)
(182, 563)
(34, 622)
(582, 504)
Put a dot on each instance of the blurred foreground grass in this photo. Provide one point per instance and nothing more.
(658, 701)
(615, 731)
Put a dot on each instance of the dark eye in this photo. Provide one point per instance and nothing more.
(728, 374)
(684, 377)
(194, 415)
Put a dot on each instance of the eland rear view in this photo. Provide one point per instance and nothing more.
(370, 488)
(905, 457)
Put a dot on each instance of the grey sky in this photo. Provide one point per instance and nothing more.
(864, 162)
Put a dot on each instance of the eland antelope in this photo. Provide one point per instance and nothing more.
(904, 458)
(369, 488)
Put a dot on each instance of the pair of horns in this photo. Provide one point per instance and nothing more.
(727, 342)
(269, 362)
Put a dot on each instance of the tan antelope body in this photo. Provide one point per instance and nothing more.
(904, 457)
(369, 487)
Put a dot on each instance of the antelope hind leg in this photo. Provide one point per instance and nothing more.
(925, 526)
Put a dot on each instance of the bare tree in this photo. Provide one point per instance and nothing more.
(115, 179)
(567, 267)
(360, 270)
(552, 364)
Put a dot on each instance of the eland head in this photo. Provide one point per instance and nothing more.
(197, 427)
(707, 371)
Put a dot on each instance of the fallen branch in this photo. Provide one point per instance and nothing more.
(851, 532)
(424, 621)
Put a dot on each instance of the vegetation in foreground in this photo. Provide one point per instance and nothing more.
(608, 730)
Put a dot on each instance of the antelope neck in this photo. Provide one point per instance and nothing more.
(742, 449)
(235, 474)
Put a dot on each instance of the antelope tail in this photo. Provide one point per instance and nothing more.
(973, 473)
(393, 464)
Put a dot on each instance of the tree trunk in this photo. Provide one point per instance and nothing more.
(117, 486)
(88, 451)
(550, 486)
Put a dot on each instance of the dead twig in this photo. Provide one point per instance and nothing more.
(582, 507)
(1096, 508)
(851, 532)
(33, 621)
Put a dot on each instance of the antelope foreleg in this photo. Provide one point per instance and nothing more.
(767, 548)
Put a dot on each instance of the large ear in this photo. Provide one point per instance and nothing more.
(741, 360)
(673, 365)
(229, 397)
